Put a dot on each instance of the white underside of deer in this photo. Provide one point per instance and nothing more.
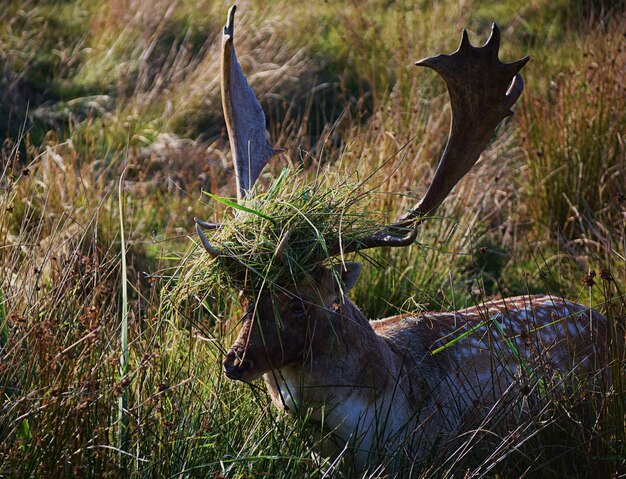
(394, 394)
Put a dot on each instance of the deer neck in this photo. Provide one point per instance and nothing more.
(347, 381)
(345, 361)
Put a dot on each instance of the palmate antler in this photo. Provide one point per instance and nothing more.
(245, 123)
(482, 91)
(245, 120)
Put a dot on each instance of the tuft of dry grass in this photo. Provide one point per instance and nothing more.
(279, 237)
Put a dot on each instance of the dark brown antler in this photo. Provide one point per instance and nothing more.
(482, 90)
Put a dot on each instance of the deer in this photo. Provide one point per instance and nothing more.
(397, 386)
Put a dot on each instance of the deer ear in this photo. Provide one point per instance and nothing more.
(326, 281)
(350, 272)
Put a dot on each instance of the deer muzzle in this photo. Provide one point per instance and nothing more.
(235, 367)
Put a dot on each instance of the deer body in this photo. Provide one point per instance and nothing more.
(378, 387)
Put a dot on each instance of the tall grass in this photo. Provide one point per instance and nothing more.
(90, 89)
(573, 133)
(123, 399)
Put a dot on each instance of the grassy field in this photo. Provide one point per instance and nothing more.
(111, 127)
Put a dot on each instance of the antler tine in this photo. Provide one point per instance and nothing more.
(280, 249)
(482, 90)
(214, 253)
(206, 225)
(245, 120)
(492, 46)
(385, 238)
(465, 41)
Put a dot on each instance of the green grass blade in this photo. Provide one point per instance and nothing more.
(458, 338)
(237, 206)
(123, 399)
(4, 327)
(275, 188)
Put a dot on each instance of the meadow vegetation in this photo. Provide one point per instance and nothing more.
(111, 128)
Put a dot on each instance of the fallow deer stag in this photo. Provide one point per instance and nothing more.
(377, 385)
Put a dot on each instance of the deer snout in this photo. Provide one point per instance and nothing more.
(235, 366)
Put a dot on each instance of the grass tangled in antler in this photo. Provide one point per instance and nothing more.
(315, 214)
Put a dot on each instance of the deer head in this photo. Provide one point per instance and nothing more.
(279, 329)
(277, 326)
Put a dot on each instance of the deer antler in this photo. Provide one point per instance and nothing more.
(245, 123)
(482, 90)
(245, 120)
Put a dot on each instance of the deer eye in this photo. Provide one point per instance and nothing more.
(297, 307)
